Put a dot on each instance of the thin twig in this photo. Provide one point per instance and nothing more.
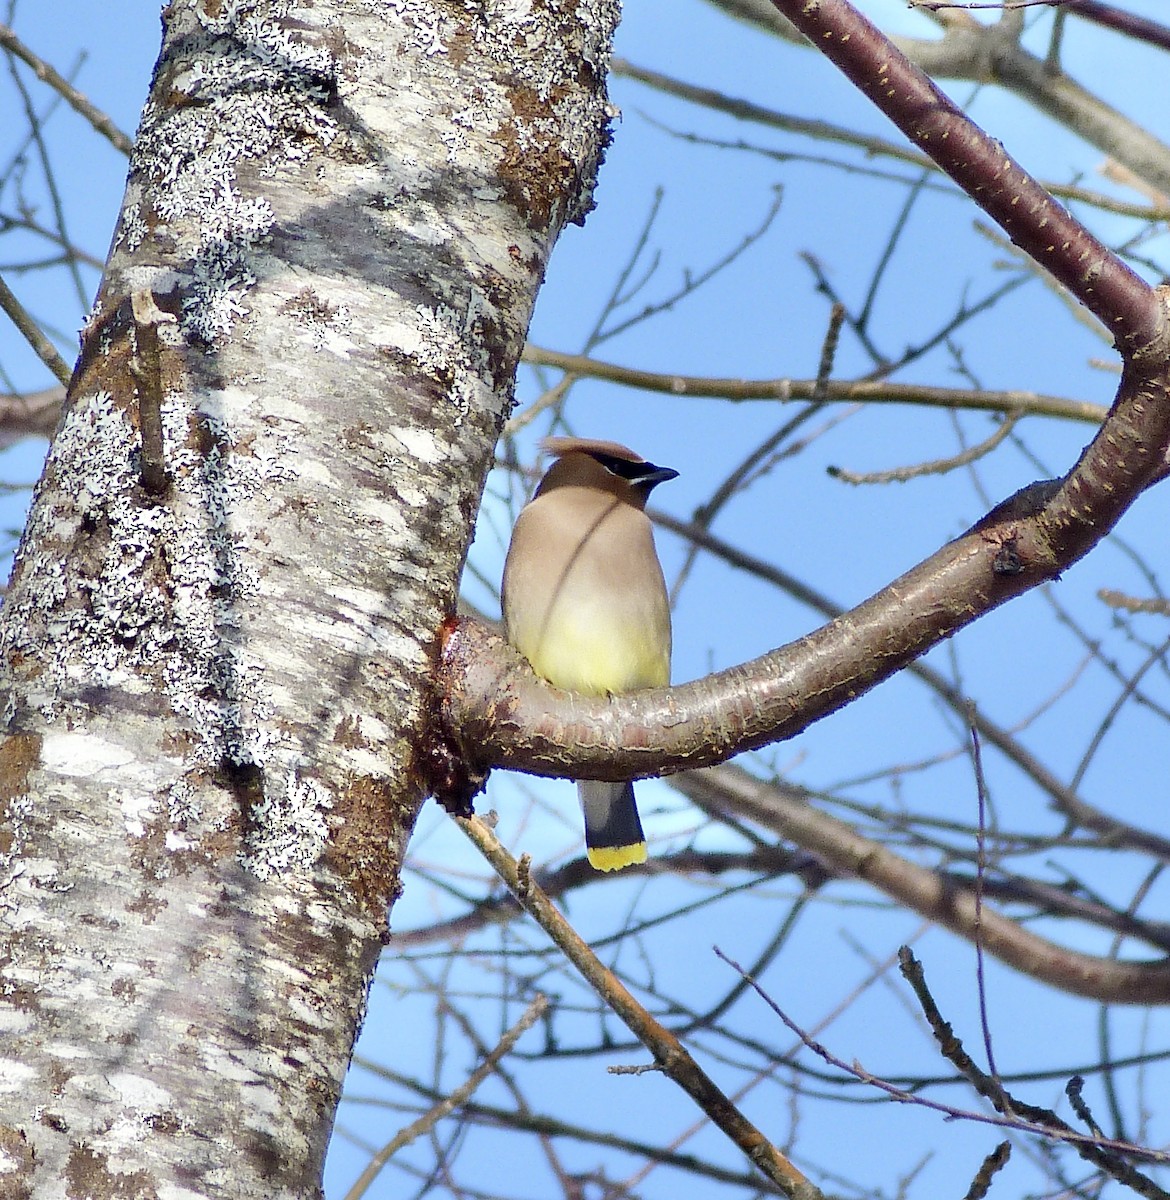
(29, 414)
(1134, 604)
(77, 100)
(1027, 1118)
(1074, 1090)
(692, 282)
(747, 110)
(867, 391)
(45, 350)
(50, 178)
(625, 288)
(992, 1165)
(670, 1055)
(545, 1125)
(449, 1104)
(1104, 1153)
(829, 345)
(936, 466)
(980, 878)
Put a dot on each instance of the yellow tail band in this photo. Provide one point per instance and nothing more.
(613, 858)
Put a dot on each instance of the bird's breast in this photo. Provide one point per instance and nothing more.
(584, 597)
(600, 653)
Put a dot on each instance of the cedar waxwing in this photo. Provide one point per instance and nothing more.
(585, 602)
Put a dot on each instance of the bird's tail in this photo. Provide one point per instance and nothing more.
(613, 830)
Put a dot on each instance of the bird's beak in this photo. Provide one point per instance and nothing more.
(656, 475)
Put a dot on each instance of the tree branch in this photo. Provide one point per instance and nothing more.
(669, 1053)
(32, 414)
(946, 57)
(981, 167)
(970, 50)
(45, 350)
(448, 1104)
(501, 715)
(861, 391)
(938, 897)
(75, 99)
(1141, 29)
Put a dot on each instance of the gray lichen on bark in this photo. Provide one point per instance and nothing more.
(216, 695)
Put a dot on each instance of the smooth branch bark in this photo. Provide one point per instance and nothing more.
(501, 715)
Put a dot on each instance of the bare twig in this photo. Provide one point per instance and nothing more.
(992, 1165)
(545, 1125)
(45, 350)
(748, 110)
(1141, 29)
(828, 353)
(785, 809)
(1153, 604)
(77, 100)
(50, 178)
(784, 389)
(980, 877)
(692, 281)
(1104, 1153)
(669, 1053)
(30, 414)
(937, 466)
(450, 1103)
(1074, 1090)
(1027, 1118)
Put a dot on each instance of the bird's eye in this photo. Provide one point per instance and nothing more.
(622, 467)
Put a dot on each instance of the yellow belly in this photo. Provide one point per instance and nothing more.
(597, 657)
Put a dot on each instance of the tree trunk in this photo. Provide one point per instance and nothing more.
(220, 630)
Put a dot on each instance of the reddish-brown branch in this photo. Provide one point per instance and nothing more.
(502, 715)
(1141, 29)
(979, 164)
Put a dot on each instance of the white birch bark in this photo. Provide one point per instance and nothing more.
(216, 695)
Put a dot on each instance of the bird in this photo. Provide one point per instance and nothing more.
(584, 601)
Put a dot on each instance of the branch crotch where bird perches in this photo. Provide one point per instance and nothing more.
(500, 714)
